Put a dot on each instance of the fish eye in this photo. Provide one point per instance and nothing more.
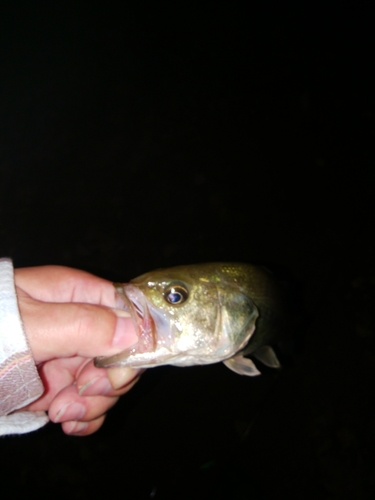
(176, 294)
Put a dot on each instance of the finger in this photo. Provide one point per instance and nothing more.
(56, 374)
(75, 428)
(63, 284)
(63, 330)
(93, 381)
(68, 405)
(122, 377)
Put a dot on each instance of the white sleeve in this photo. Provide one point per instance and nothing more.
(20, 383)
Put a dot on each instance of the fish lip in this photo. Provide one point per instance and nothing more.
(136, 304)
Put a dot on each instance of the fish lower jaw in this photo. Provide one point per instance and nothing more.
(163, 356)
(149, 359)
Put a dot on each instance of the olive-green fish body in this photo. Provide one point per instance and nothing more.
(201, 314)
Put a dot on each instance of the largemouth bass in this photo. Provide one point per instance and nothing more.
(202, 314)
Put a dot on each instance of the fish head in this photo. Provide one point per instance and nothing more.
(184, 316)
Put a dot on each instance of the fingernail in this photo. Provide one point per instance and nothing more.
(121, 375)
(75, 427)
(125, 334)
(70, 411)
(121, 313)
(98, 386)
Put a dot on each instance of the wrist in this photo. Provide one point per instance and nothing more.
(19, 380)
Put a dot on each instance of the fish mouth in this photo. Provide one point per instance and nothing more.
(136, 304)
(155, 328)
(133, 301)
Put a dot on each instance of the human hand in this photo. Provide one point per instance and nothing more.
(70, 317)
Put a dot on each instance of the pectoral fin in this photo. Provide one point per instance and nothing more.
(267, 356)
(242, 366)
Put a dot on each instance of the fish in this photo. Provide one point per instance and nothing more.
(201, 314)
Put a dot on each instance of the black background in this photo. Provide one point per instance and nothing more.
(143, 137)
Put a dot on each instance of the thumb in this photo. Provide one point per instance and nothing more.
(59, 330)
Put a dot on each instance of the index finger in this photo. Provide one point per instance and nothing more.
(64, 284)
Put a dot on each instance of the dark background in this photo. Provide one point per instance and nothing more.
(137, 138)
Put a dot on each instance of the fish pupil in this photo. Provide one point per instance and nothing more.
(176, 295)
